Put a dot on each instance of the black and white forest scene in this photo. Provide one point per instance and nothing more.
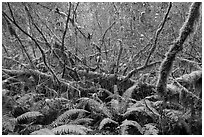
(101, 68)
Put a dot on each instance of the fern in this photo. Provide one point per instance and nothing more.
(127, 123)
(82, 102)
(66, 116)
(134, 110)
(94, 107)
(71, 129)
(114, 106)
(82, 121)
(29, 116)
(124, 104)
(104, 94)
(178, 120)
(106, 121)
(114, 96)
(157, 104)
(44, 131)
(128, 93)
(105, 110)
(175, 115)
(30, 128)
(150, 129)
(62, 100)
(144, 107)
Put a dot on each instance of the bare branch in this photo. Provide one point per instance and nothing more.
(41, 50)
(119, 56)
(161, 26)
(129, 75)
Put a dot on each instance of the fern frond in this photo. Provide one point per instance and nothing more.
(124, 104)
(62, 100)
(30, 128)
(93, 103)
(133, 110)
(128, 93)
(114, 106)
(114, 96)
(67, 115)
(71, 129)
(44, 131)
(94, 106)
(143, 106)
(127, 123)
(175, 115)
(157, 104)
(82, 102)
(150, 129)
(29, 116)
(105, 110)
(106, 121)
(82, 121)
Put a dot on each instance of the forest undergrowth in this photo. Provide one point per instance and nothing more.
(59, 93)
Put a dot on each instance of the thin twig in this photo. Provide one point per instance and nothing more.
(104, 34)
(161, 26)
(140, 68)
(21, 44)
(119, 56)
(63, 38)
(41, 50)
(10, 58)
(29, 15)
(4, 47)
(66, 27)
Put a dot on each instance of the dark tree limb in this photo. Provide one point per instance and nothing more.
(104, 34)
(161, 26)
(152, 42)
(66, 26)
(41, 33)
(19, 40)
(63, 38)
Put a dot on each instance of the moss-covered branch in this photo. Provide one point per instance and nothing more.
(185, 31)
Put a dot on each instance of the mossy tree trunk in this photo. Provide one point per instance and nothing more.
(187, 28)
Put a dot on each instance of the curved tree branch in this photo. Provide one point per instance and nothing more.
(157, 33)
(166, 65)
